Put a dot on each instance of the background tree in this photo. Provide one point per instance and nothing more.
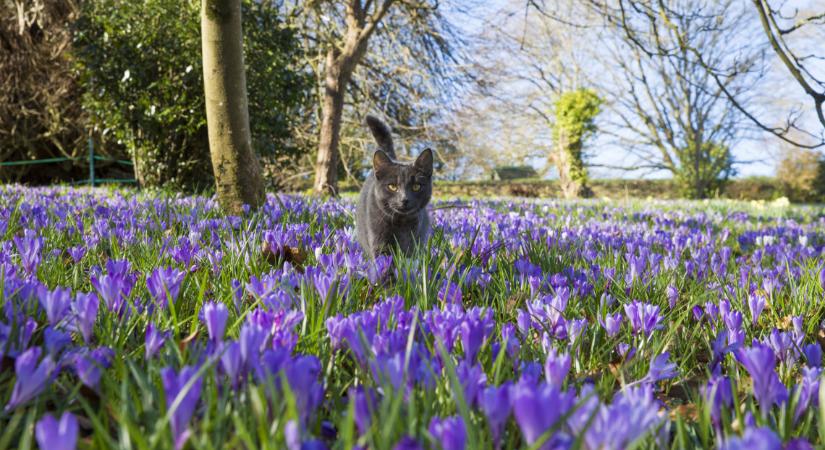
(790, 33)
(40, 109)
(342, 33)
(801, 174)
(778, 28)
(522, 64)
(341, 58)
(144, 87)
(237, 172)
(671, 115)
(575, 115)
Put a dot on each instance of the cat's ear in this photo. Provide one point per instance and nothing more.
(381, 162)
(424, 162)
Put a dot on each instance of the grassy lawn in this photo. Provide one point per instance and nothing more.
(152, 321)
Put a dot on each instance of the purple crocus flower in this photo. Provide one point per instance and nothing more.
(182, 393)
(314, 444)
(89, 365)
(712, 311)
(215, 315)
(798, 332)
(29, 247)
(56, 303)
(84, 309)
(807, 390)
(626, 351)
(813, 355)
(377, 269)
(213, 259)
(633, 413)
(524, 322)
(252, 340)
(643, 317)
(760, 361)
(164, 284)
(770, 281)
(231, 361)
(575, 328)
(556, 368)
(120, 267)
(784, 346)
(365, 404)
(114, 289)
(323, 280)
(509, 340)
(756, 303)
(449, 432)
(302, 374)
(721, 346)
(407, 443)
(612, 324)
(185, 253)
(724, 309)
(32, 377)
(292, 435)
(530, 406)
(76, 253)
(761, 438)
(475, 329)
(661, 369)
(237, 295)
(531, 371)
(798, 444)
(736, 333)
(11, 347)
(494, 402)
(636, 266)
(154, 341)
(472, 379)
(697, 313)
(450, 294)
(672, 296)
(55, 340)
(718, 394)
(54, 435)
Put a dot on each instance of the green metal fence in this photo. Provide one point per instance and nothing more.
(92, 180)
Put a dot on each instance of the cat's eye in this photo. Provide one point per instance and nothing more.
(416, 187)
(392, 187)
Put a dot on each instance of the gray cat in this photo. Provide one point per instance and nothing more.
(392, 204)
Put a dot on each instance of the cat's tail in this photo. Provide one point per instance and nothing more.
(382, 134)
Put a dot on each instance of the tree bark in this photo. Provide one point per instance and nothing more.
(326, 166)
(238, 178)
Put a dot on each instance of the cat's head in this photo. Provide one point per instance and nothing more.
(402, 189)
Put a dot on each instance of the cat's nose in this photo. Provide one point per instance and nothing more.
(405, 203)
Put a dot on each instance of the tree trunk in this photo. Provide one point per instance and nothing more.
(340, 64)
(326, 166)
(571, 186)
(238, 178)
(140, 170)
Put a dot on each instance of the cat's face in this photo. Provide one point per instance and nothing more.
(403, 189)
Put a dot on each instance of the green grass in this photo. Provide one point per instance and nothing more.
(128, 409)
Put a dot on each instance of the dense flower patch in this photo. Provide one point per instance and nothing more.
(152, 321)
